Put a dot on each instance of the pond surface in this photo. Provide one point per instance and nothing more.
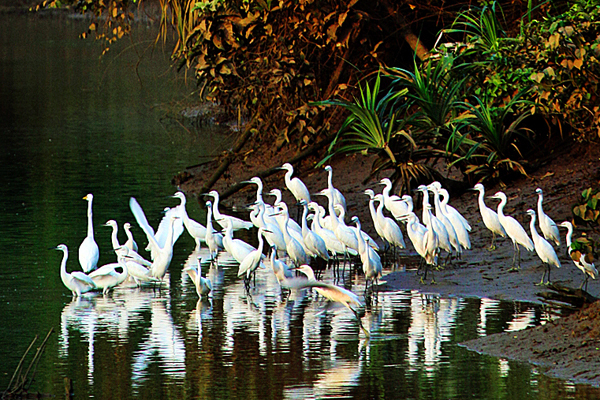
(74, 124)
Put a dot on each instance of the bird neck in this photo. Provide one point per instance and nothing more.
(569, 236)
(209, 218)
(501, 207)
(380, 209)
(310, 274)
(481, 200)
(90, 228)
(534, 232)
(114, 239)
(63, 264)
(304, 223)
(260, 241)
(386, 190)
(372, 208)
(215, 209)
(361, 241)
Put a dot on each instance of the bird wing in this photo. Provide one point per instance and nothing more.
(193, 274)
(140, 217)
(80, 276)
(163, 228)
(332, 292)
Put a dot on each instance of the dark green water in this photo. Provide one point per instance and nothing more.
(73, 124)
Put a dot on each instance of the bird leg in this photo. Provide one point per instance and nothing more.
(365, 330)
(493, 244)
(425, 274)
(543, 276)
(515, 252)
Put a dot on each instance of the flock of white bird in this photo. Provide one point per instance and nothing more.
(294, 243)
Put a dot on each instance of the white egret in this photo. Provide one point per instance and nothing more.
(136, 264)
(336, 195)
(213, 239)
(514, 230)
(253, 260)
(312, 241)
(343, 233)
(377, 222)
(441, 215)
(194, 228)
(157, 241)
(281, 269)
(106, 277)
(236, 247)
(164, 254)
(331, 241)
(294, 247)
(372, 267)
(367, 238)
(203, 285)
(391, 230)
(114, 234)
(272, 233)
(489, 216)
(130, 243)
(460, 223)
(163, 227)
(331, 292)
(543, 248)
(409, 202)
(431, 244)
(77, 282)
(449, 210)
(293, 226)
(259, 199)
(137, 267)
(88, 250)
(393, 204)
(443, 238)
(416, 233)
(547, 225)
(236, 223)
(581, 260)
(295, 185)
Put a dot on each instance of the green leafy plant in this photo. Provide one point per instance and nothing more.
(434, 94)
(491, 147)
(370, 125)
(481, 27)
(373, 126)
(588, 207)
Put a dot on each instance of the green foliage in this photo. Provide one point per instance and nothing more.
(434, 94)
(482, 29)
(587, 209)
(373, 127)
(369, 127)
(277, 58)
(491, 147)
(555, 57)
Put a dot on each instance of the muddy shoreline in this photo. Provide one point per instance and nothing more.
(566, 348)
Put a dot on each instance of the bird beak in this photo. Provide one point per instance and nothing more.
(246, 182)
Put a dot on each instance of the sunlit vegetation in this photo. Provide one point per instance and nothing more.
(500, 79)
(472, 97)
